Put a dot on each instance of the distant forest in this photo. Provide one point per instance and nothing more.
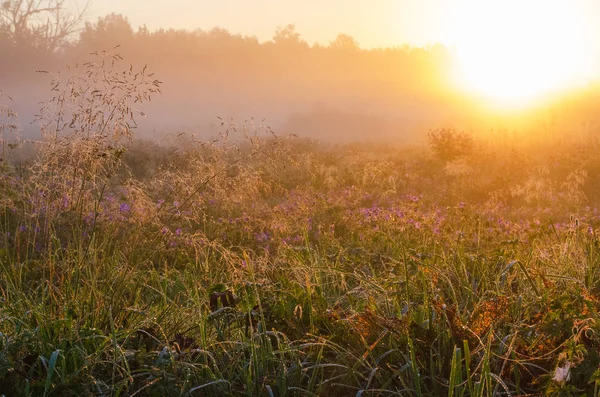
(330, 92)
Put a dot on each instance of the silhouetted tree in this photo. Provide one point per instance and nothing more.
(109, 31)
(344, 42)
(39, 24)
(287, 35)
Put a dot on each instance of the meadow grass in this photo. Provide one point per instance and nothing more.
(260, 265)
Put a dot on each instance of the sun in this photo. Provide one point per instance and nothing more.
(512, 52)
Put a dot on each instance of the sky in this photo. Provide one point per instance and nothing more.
(506, 54)
(507, 49)
(374, 23)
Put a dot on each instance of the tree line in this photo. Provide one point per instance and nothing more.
(42, 31)
(318, 89)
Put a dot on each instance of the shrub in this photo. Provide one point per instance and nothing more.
(449, 144)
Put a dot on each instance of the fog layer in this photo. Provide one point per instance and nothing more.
(337, 92)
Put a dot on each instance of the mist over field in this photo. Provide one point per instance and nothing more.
(334, 92)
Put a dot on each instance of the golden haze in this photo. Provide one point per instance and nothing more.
(507, 66)
(515, 53)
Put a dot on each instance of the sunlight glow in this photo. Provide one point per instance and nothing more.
(514, 52)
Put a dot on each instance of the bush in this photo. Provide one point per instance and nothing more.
(449, 144)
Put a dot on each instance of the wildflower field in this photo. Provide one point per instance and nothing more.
(259, 264)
